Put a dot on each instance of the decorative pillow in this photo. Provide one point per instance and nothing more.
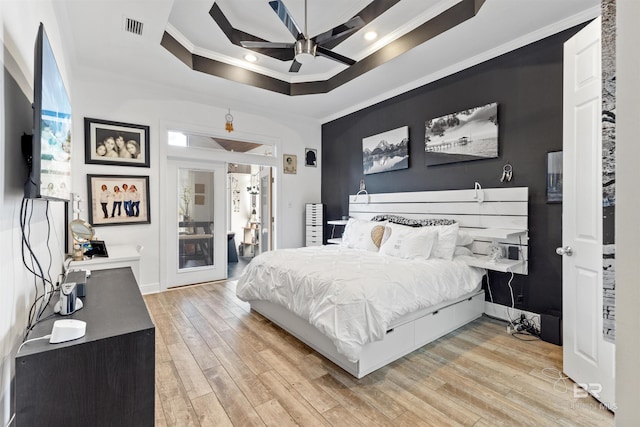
(362, 234)
(447, 236)
(463, 238)
(408, 242)
(396, 219)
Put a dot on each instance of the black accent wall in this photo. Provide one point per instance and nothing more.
(527, 84)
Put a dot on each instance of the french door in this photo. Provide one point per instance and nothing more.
(196, 227)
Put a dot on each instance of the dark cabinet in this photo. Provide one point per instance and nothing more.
(105, 378)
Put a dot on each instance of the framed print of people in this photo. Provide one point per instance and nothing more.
(290, 163)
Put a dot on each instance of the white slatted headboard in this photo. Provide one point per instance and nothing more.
(501, 217)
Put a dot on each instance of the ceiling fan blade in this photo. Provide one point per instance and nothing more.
(322, 51)
(286, 18)
(295, 67)
(281, 54)
(336, 35)
(267, 45)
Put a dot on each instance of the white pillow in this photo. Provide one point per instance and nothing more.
(363, 234)
(461, 250)
(463, 238)
(446, 245)
(408, 242)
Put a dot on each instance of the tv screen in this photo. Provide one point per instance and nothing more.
(50, 165)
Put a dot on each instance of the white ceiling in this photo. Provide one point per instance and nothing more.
(94, 29)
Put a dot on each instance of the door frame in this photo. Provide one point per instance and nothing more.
(198, 154)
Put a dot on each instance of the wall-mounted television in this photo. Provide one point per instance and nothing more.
(48, 152)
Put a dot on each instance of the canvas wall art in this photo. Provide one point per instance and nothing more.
(470, 134)
(387, 151)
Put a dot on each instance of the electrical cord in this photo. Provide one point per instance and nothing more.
(26, 214)
(33, 339)
(11, 419)
(489, 287)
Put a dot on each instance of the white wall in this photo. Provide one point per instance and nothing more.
(18, 27)
(627, 208)
(111, 97)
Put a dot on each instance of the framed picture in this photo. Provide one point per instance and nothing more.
(290, 162)
(470, 134)
(554, 177)
(387, 151)
(118, 199)
(310, 157)
(114, 143)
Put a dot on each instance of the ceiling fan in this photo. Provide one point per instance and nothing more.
(305, 49)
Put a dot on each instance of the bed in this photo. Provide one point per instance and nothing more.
(363, 308)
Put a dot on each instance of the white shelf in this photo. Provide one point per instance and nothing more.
(335, 241)
(503, 264)
(337, 222)
(495, 233)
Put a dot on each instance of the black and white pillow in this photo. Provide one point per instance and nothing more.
(397, 219)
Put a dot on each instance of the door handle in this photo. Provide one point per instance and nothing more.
(566, 250)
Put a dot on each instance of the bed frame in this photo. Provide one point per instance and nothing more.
(491, 215)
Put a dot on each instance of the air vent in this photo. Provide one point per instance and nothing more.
(132, 26)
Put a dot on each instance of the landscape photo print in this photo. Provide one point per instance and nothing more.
(470, 134)
(386, 151)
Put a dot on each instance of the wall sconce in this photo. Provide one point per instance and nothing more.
(229, 121)
(478, 193)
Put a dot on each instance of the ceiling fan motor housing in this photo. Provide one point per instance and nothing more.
(305, 50)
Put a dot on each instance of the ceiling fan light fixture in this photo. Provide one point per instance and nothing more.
(305, 50)
(370, 35)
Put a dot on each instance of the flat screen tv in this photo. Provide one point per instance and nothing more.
(49, 152)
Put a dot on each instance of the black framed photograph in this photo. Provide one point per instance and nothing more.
(470, 134)
(115, 143)
(554, 177)
(118, 199)
(310, 157)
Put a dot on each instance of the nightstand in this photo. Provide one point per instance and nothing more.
(336, 222)
(499, 237)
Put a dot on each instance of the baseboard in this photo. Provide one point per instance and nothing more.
(150, 288)
(504, 313)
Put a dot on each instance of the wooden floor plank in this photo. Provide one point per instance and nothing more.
(210, 412)
(218, 363)
(234, 402)
(273, 414)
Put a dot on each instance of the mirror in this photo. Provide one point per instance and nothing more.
(82, 232)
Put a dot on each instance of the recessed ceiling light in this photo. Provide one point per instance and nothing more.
(370, 35)
(251, 57)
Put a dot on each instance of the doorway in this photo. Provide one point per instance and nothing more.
(250, 216)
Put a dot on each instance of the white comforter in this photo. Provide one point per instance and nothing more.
(353, 295)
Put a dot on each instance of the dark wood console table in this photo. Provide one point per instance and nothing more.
(105, 378)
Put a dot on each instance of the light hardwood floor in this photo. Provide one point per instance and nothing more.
(219, 364)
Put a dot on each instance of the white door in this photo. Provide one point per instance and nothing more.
(587, 358)
(196, 222)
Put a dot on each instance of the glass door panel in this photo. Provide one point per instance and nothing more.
(196, 248)
(195, 218)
